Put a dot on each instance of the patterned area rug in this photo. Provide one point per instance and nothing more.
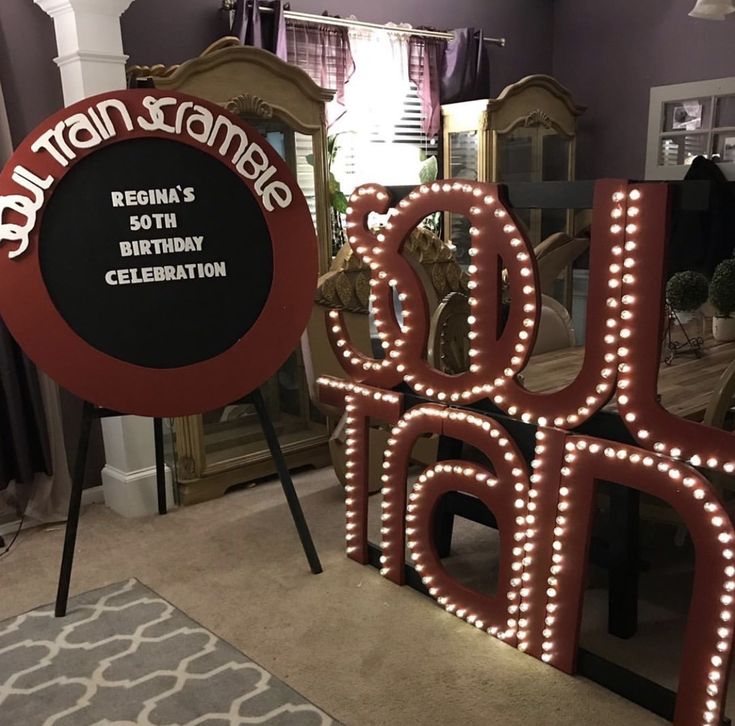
(125, 656)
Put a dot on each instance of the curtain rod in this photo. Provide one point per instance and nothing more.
(229, 5)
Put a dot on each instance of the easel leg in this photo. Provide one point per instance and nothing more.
(75, 501)
(286, 482)
(160, 465)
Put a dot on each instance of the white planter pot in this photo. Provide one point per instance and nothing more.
(723, 329)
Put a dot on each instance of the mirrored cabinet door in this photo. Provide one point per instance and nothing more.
(535, 154)
(232, 434)
(526, 134)
(222, 448)
(463, 160)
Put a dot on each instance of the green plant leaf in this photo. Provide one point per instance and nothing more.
(333, 185)
(686, 291)
(310, 159)
(339, 201)
(722, 288)
(429, 170)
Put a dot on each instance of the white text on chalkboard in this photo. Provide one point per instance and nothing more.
(143, 197)
(166, 273)
(103, 121)
(164, 246)
(157, 220)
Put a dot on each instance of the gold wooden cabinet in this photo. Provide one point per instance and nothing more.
(526, 134)
(225, 447)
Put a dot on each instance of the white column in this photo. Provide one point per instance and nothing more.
(91, 61)
(89, 43)
(129, 476)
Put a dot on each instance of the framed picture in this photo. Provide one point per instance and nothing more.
(688, 116)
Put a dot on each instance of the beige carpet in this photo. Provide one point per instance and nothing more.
(366, 651)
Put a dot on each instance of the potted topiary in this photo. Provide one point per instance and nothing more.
(686, 292)
(722, 297)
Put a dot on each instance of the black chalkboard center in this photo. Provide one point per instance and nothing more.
(166, 262)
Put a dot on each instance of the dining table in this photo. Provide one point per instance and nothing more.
(685, 386)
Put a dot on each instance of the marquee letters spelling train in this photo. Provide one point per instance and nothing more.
(544, 511)
(101, 122)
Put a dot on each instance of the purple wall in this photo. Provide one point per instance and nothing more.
(153, 33)
(161, 31)
(29, 76)
(609, 54)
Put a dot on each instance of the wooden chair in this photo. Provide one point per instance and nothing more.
(715, 415)
(718, 415)
(721, 402)
(555, 254)
(449, 344)
(448, 348)
(555, 327)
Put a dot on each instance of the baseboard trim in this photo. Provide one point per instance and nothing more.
(133, 493)
(8, 529)
(93, 495)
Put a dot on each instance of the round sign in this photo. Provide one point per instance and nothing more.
(157, 257)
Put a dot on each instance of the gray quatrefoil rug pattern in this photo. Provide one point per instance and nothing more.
(123, 656)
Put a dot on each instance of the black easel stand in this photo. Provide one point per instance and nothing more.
(256, 398)
(91, 412)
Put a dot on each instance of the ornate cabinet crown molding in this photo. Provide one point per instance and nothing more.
(538, 118)
(248, 104)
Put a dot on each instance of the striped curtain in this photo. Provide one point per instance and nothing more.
(323, 51)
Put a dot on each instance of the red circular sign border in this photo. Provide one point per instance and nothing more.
(49, 341)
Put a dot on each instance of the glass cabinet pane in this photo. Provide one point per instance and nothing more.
(297, 150)
(233, 432)
(304, 169)
(534, 154)
(518, 155)
(463, 163)
(555, 157)
(463, 151)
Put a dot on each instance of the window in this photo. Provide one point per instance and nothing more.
(687, 120)
(388, 154)
(378, 118)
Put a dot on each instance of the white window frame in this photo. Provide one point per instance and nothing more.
(408, 131)
(662, 95)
